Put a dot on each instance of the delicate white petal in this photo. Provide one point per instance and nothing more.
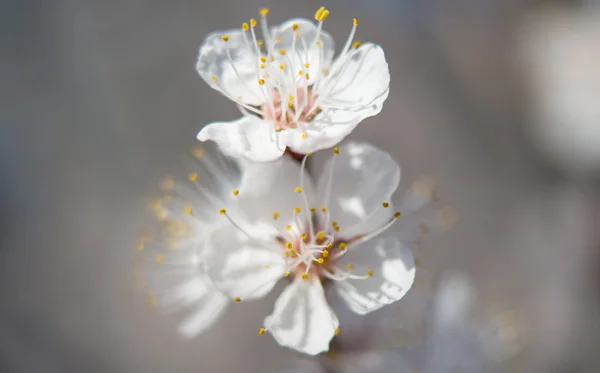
(360, 85)
(302, 319)
(393, 274)
(209, 304)
(248, 137)
(363, 178)
(308, 32)
(326, 130)
(271, 187)
(244, 268)
(213, 63)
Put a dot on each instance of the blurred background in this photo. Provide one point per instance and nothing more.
(498, 100)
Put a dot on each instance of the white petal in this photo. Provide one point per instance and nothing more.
(302, 319)
(308, 32)
(209, 305)
(363, 178)
(326, 130)
(248, 137)
(271, 187)
(240, 267)
(213, 63)
(361, 86)
(393, 274)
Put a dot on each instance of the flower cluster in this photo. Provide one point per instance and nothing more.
(249, 215)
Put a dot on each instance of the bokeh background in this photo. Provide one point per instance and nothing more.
(498, 100)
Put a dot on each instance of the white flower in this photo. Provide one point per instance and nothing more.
(328, 234)
(172, 260)
(288, 87)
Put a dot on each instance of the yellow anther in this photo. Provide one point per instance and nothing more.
(225, 38)
(336, 331)
(290, 97)
(320, 260)
(355, 22)
(167, 183)
(282, 52)
(245, 26)
(324, 208)
(235, 192)
(260, 43)
(289, 245)
(261, 331)
(319, 43)
(342, 245)
(385, 205)
(336, 150)
(304, 236)
(222, 211)
(272, 58)
(304, 135)
(308, 154)
(370, 273)
(267, 266)
(261, 81)
(198, 152)
(193, 177)
(305, 276)
(324, 15)
(275, 215)
(336, 228)
(264, 12)
(313, 210)
(325, 253)
(237, 299)
(282, 67)
(298, 190)
(263, 59)
(334, 223)
(307, 65)
(356, 44)
(288, 227)
(329, 245)
(159, 258)
(262, 65)
(286, 274)
(188, 210)
(214, 78)
(350, 266)
(252, 22)
(397, 214)
(300, 72)
(290, 104)
(286, 253)
(319, 13)
(151, 300)
(321, 235)
(297, 209)
(278, 39)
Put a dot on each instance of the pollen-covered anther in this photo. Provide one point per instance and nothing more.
(336, 150)
(289, 245)
(188, 210)
(298, 190)
(297, 209)
(300, 72)
(261, 331)
(237, 299)
(313, 210)
(336, 331)
(307, 76)
(355, 22)
(295, 26)
(235, 192)
(267, 266)
(324, 208)
(261, 81)
(198, 152)
(222, 211)
(159, 258)
(264, 11)
(225, 38)
(305, 276)
(370, 273)
(349, 266)
(252, 22)
(287, 273)
(385, 205)
(321, 235)
(325, 253)
(356, 44)
(245, 26)
(282, 52)
(193, 177)
(397, 214)
(319, 12)
(260, 43)
(304, 236)
(288, 227)
(275, 215)
(214, 78)
(342, 245)
(304, 135)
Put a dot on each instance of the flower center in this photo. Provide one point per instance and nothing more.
(299, 109)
